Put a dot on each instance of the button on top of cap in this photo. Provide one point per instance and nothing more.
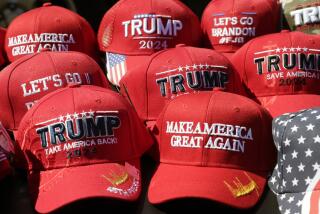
(45, 49)
(46, 4)
(217, 89)
(180, 45)
(73, 85)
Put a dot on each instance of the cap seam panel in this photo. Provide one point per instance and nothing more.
(263, 131)
(76, 20)
(50, 59)
(189, 54)
(152, 57)
(132, 135)
(130, 108)
(204, 151)
(101, 74)
(73, 100)
(292, 85)
(161, 128)
(36, 23)
(244, 62)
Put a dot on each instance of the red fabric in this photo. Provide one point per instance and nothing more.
(315, 207)
(258, 17)
(82, 166)
(140, 85)
(53, 20)
(264, 79)
(228, 55)
(277, 105)
(31, 77)
(181, 167)
(118, 21)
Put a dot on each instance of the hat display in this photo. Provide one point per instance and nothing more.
(94, 135)
(221, 150)
(49, 27)
(173, 72)
(296, 177)
(146, 109)
(131, 30)
(281, 70)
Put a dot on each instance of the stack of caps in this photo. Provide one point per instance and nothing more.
(212, 144)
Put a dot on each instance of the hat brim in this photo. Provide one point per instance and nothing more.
(301, 202)
(52, 189)
(232, 187)
(278, 105)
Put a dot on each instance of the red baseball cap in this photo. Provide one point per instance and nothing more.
(132, 29)
(52, 27)
(31, 77)
(3, 59)
(229, 24)
(222, 150)
(82, 142)
(281, 69)
(174, 72)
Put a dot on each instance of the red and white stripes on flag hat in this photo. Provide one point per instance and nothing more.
(311, 200)
(116, 67)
